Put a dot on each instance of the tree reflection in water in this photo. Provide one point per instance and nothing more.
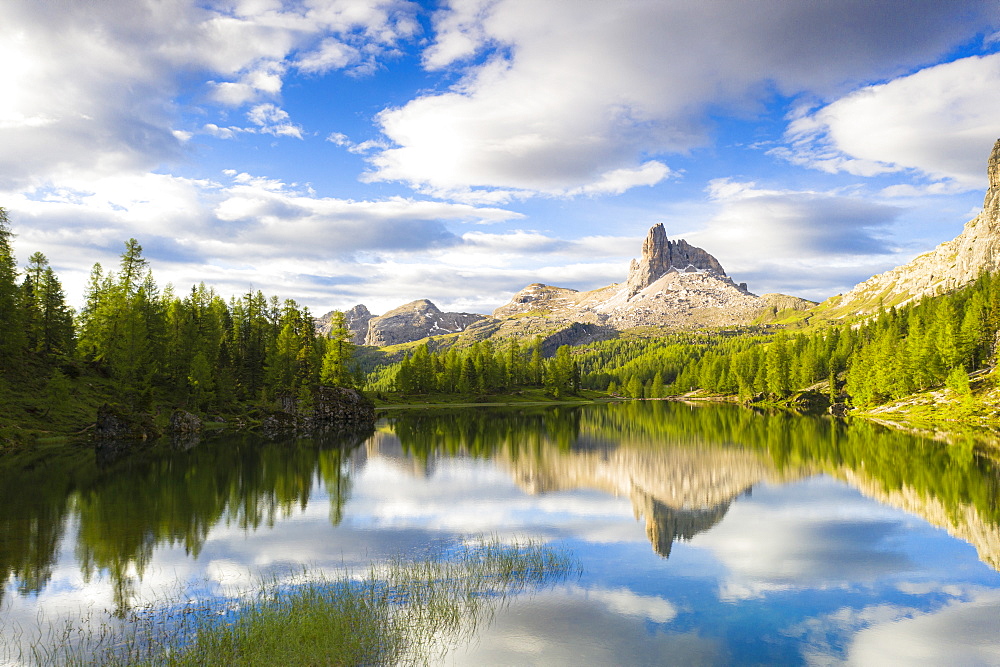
(681, 466)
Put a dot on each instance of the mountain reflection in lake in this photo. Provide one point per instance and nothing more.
(707, 535)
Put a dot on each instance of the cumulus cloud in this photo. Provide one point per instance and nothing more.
(791, 223)
(271, 119)
(100, 97)
(960, 633)
(331, 54)
(238, 231)
(560, 101)
(940, 121)
(781, 236)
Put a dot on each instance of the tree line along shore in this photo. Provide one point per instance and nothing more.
(150, 349)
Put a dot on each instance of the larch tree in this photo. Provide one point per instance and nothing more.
(335, 371)
(12, 339)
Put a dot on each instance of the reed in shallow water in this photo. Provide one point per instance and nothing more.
(400, 612)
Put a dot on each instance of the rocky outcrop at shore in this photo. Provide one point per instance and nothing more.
(324, 408)
(115, 423)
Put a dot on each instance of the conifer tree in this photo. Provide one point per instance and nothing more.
(335, 371)
(57, 318)
(12, 340)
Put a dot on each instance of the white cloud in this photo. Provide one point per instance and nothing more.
(273, 120)
(249, 230)
(618, 181)
(556, 100)
(459, 32)
(344, 141)
(221, 132)
(99, 98)
(331, 54)
(808, 241)
(262, 81)
(940, 121)
(961, 633)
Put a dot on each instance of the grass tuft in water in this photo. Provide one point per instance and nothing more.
(401, 612)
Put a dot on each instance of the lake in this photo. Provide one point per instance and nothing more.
(708, 534)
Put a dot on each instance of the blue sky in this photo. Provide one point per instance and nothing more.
(379, 151)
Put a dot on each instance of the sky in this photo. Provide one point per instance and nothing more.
(379, 151)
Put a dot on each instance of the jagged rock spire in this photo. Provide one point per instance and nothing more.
(660, 256)
(993, 166)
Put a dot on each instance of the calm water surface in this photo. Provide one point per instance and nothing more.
(706, 535)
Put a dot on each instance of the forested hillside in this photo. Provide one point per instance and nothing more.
(483, 368)
(138, 345)
(937, 341)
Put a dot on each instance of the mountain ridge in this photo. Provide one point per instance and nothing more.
(949, 266)
(672, 285)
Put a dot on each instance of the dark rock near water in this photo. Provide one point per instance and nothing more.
(185, 429)
(325, 407)
(838, 409)
(115, 423)
(184, 423)
(811, 401)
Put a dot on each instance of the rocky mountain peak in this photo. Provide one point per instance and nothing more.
(413, 321)
(660, 256)
(359, 311)
(357, 319)
(420, 306)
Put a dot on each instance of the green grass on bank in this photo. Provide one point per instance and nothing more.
(43, 404)
(401, 612)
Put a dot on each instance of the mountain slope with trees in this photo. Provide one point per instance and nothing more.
(150, 349)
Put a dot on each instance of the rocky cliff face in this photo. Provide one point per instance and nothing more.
(413, 321)
(661, 256)
(357, 319)
(949, 266)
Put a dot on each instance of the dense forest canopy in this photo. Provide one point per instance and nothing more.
(194, 349)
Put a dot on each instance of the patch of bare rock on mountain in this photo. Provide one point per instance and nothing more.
(357, 319)
(949, 266)
(415, 320)
(412, 321)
